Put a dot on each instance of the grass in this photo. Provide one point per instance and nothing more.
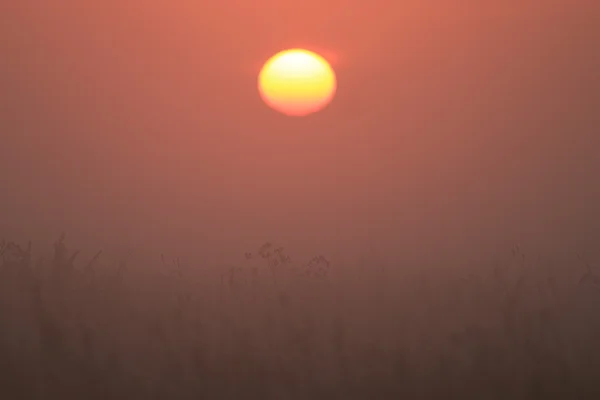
(273, 328)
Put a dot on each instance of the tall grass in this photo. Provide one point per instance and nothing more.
(275, 328)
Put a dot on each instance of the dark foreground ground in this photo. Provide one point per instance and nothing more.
(273, 329)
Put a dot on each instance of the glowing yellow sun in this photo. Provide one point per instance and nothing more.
(297, 82)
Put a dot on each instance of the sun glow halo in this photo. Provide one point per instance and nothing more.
(297, 82)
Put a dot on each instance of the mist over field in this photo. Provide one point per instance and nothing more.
(459, 154)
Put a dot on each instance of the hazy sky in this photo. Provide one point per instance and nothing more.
(455, 124)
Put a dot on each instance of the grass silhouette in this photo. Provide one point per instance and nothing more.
(272, 328)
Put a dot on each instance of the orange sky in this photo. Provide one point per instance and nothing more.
(140, 121)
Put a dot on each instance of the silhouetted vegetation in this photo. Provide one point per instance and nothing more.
(274, 328)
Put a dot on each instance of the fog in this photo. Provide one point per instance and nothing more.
(455, 130)
(439, 221)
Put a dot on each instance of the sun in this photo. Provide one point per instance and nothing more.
(297, 82)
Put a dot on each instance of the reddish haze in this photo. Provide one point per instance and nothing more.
(139, 122)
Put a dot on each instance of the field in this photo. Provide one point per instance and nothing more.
(276, 328)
